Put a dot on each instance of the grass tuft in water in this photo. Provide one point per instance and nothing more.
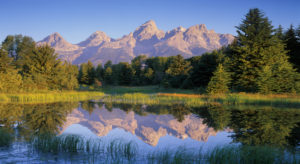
(5, 137)
(118, 151)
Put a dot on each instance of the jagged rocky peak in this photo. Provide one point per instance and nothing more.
(53, 38)
(95, 39)
(180, 28)
(56, 41)
(147, 31)
(146, 39)
(198, 27)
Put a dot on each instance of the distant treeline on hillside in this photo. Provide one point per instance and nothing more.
(261, 59)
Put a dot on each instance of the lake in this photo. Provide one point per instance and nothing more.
(137, 132)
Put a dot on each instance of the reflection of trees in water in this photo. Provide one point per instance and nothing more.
(294, 138)
(261, 126)
(179, 111)
(47, 117)
(214, 116)
(10, 114)
(89, 106)
(264, 126)
(37, 118)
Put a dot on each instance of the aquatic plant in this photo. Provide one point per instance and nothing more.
(119, 151)
(5, 137)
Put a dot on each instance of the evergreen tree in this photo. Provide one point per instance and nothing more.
(219, 82)
(99, 72)
(178, 70)
(91, 73)
(137, 65)
(107, 75)
(124, 73)
(293, 46)
(86, 73)
(10, 80)
(279, 32)
(159, 66)
(204, 66)
(148, 76)
(255, 48)
(18, 46)
(68, 76)
(42, 68)
(83, 76)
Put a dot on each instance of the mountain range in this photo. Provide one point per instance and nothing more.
(146, 39)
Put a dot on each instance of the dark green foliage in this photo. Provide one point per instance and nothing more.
(219, 82)
(279, 32)
(137, 65)
(250, 52)
(292, 41)
(159, 66)
(87, 73)
(258, 56)
(203, 67)
(178, 70)
(124, 73)
(99, 73)
(107, 75)
(5, 137)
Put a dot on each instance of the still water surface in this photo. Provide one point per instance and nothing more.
(151, 128)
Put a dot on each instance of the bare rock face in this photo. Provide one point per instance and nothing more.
(96, 39)
(56, 41)
(146, 39)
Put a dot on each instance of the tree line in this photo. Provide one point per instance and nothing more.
(26, 67)
(261, 59)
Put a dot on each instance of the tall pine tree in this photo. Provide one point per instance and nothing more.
(293, 46)
(255, 48)
(219, 82)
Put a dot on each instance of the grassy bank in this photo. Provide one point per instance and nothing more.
(49, 97)
(143, 89)
(194, 100)
(124, 152)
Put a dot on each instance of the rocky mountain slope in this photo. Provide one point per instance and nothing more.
(146, 39)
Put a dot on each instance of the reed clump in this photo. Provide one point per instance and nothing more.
(120, 151)
(5, 137)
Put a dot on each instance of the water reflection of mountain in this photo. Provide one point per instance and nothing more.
(149, 128)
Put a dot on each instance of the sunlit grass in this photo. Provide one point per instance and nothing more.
(195, 100)
(49, 97)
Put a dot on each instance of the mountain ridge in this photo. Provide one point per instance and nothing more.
(146, 39)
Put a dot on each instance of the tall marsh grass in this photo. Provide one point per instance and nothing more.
(118, 151)
(49, 97)
(5, 137)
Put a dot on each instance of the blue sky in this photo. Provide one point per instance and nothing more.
(75, 20)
